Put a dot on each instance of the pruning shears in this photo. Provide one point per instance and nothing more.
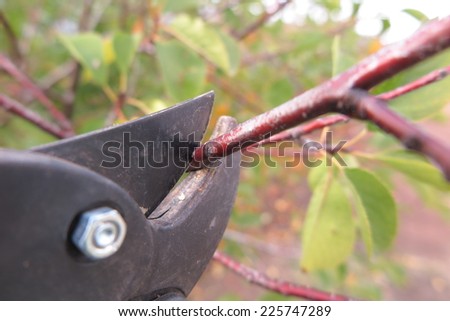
(100, 216)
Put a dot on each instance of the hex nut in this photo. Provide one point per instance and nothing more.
(99, 233)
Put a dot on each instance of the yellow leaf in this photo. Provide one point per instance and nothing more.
(108, 51)
(374, 46)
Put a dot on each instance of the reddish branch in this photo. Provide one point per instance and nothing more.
(18, 109)
(117, 110)
(359, 104)
(294, 133)
(261, 21)
(283, 287)
(14, 72)
(339, 95)
(301, 130)
(421, 82)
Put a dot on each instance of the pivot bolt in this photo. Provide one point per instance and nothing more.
(99, 233)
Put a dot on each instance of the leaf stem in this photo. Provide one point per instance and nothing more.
(109, 93)
(142, 106)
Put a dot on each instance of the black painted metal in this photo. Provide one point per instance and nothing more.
(147, 182)
(194, 217)
(40, 199)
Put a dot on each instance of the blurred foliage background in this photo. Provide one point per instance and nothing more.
(103, 62)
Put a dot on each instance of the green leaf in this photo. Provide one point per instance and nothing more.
(178, 6)
(416, 168)
(350, 160)
(433, 198)
(87, 49)
(206, 41)
(330, 5)
(428, 100)
(386, 24)
(416, 14)
(278, 92)
(329, 231)
(183, 72)
(336, 55)
(355, 8)
(341, 60)
(316, 174)
(376, 210)
(309, 40)
(125, 47)
(233, 52)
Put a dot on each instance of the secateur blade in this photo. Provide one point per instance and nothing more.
(147, 156)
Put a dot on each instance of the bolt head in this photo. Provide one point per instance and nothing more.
(99, 233)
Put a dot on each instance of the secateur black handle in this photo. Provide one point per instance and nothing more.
(162, 256)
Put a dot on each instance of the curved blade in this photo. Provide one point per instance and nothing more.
(146, 156)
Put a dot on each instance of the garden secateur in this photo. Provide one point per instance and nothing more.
(100, 216)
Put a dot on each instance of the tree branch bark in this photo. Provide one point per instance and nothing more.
(12, 70)
(16, 53)
(430, 78)
(282, 287)
(304, 129)
(261, 21)
(339, 95)
(20, 110)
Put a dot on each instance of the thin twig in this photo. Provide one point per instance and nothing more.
(20, 110)
(261, 21)
(295, 133)
(267, 56)
(56, 75)
(37, 92)
(430, 78)
(304, 129)
(231, 90)
(16, 53)
(283, 287)
(116, 112)
(69, 97)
